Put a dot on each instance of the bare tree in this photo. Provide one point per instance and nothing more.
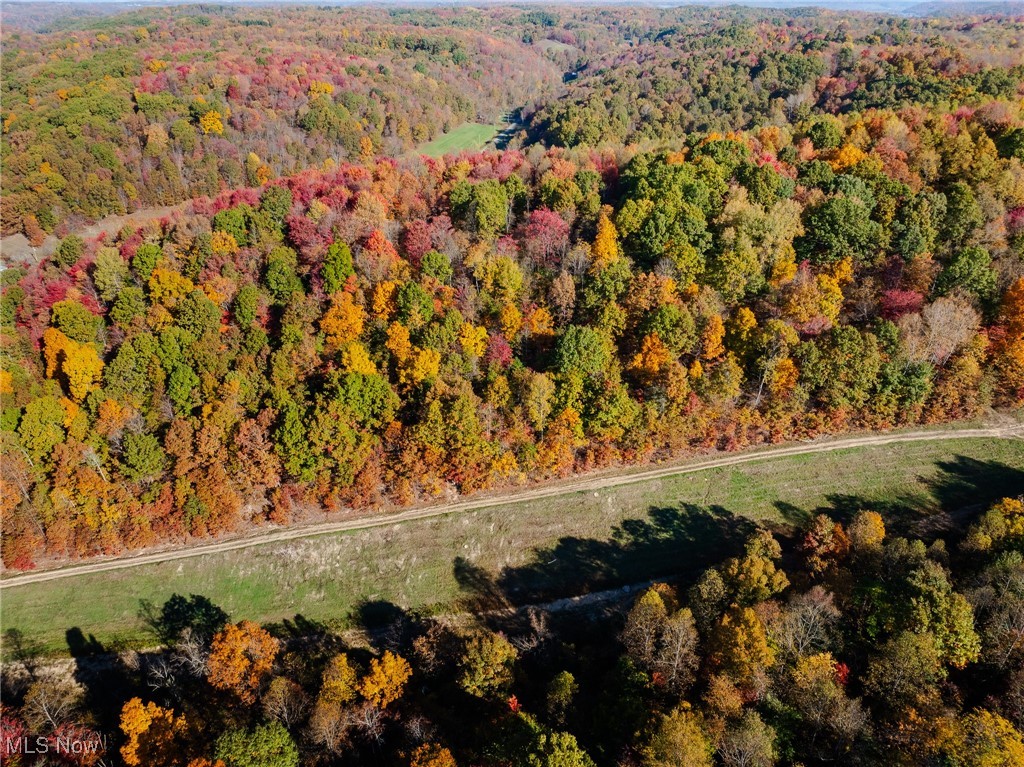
(190, 653)
(285, 701)
(939, 331)
(677, 658)
(162, 674)
(50, 703)
(805, 627)
(329, 726)
(369, 720)
(748, 743)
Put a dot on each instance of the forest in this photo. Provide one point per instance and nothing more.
(850, 644)
(710, 229)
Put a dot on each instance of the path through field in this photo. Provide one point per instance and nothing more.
(583, 484)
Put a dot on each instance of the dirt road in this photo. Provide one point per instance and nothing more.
(583, 484)
(15, 248)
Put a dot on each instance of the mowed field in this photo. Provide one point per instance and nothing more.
(526, 552)
(467, 136)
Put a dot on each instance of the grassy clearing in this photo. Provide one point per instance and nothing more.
(551, 547)
(467, 136)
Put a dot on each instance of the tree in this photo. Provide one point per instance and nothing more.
(145, 260)
(76, 322)
(197, 314)
(52, 704)
(241, 656)
(142, 457)
(234, 222)
(246, 305)
(644, 626)
(1009, 352)
(167, 287)
(437, 265)
(963, 214)
(826, 132)
(984, 739)
(129, 304)
(841, 227)
(970, 269)
(276, 202)
(431, 755)
(339, 681)
(153, 734)
(679, 741)
(748, 743)
(935, 607)
(386, 679)
(487, 665)
(562, 689)
(280, 276)
(755, 577)
(866, 531)
(211, 122)
(942, 329)
(69, 251)
(110, 273)
(677, 659)
(337, 267)
(740, 645)
(1001, 526)
(488, 207)
(414, 306)
(817, 693)
(583, 350)
(41, 427)
(558, 749)
(546, 237)
(80, 364)
(268, 745)
(905, 672)
(343, 322)
(825, 543)
(606, 249)
(807, 624)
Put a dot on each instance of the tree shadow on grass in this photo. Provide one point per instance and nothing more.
(961, 490)
(194, 612)
(679, 542)
(966, 482)
(672, 541)
(481, 591)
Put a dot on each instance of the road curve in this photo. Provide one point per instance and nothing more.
(581, 485)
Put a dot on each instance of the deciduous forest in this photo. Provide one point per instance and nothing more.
(703, 229)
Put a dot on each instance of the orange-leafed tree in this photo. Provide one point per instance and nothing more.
(153, 734)
(711, 340)
(385, 681)
(652, 357)
(1009, 351)
(344, 321)
(431, 755)
(241, 656)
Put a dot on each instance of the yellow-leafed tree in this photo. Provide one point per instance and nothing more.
(386, 679)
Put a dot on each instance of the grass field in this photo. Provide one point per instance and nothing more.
(467, 136)
(552, 547)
